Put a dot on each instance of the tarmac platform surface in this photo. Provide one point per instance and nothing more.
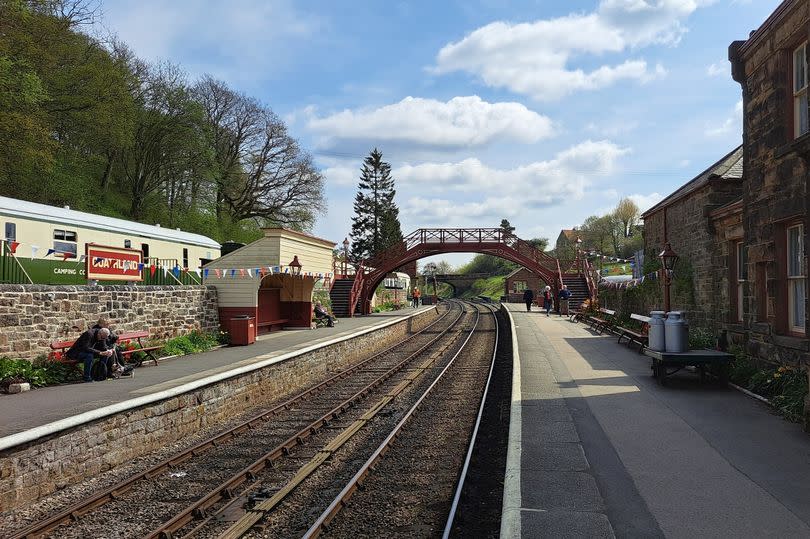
(37, 408)
(598, 449)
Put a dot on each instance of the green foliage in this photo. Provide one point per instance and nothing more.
(389, 306)
(785, 387)
(375, 224)
(701, 338)
(191, 343)
(323, 297)
(489, 264)
(491, 287)
(84, 122)
(41, 373)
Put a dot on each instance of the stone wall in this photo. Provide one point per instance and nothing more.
(32, 316)
(776, 172)
(690, 232)
(31, 471)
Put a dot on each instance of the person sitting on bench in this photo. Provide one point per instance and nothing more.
(321, 313)
(84, 349)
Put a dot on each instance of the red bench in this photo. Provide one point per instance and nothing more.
(123, 337)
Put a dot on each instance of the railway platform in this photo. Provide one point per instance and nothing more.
(35, 414)
(598, 449)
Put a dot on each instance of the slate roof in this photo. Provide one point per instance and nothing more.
(729, 167)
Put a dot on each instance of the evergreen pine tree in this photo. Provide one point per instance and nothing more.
(375, 225)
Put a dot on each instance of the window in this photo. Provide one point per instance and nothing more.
(11, 231)
(145, 250)
(185, 257)
(518, 286)
(742, 276)
(127, 244)
(801, 104)
(65, 242)
(795, 278)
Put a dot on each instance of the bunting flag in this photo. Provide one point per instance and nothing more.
(140, 266)
(249, 272)
(34, 250)
(205, 273)
(256, 272)
(233, 273)
(65, 256)
(152, 270)
(276, 269)
(241, 272)
(197, 271)
(50, 251)
(84, 257)
(176, 271)
(95, 260)
(12, 246)
(218, 273)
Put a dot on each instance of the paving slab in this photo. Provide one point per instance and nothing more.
(33, 409)
(685, 460)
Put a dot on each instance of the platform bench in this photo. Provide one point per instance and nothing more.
(600, 324)
(271, 323)
(123, 337)
(641, 337)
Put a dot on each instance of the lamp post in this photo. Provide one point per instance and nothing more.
(345, 256)
(579, 244)
(668, 261)
(295, 266)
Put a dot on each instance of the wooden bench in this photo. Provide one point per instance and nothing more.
(123, 337)
(600, 324)
(271, 323)
(641, 337)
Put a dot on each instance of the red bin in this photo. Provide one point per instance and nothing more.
(243, 330)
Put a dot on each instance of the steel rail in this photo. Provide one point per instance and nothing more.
(454, 507)
(225, 489)
(79, 509)
(343, 497)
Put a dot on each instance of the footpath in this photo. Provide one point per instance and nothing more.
(33, 409)
(598, 449)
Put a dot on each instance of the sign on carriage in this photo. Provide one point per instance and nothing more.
(113, 263)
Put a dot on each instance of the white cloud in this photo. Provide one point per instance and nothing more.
(462, 122)
(645, 202)
(716, 70)
(730, 125)
(534, 58)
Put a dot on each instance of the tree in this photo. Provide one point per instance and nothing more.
(597, 232)
(259, 171)
(507, 228)
(541, 244)
(627, 213)
(375, 224)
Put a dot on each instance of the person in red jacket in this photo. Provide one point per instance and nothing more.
(548, 301)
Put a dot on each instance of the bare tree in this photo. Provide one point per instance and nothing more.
(259, 172)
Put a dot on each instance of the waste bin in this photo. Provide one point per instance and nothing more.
(656, 336)
(676, 331)
(243, 330)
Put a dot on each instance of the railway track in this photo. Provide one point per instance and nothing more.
(159, 491)
(412, 483)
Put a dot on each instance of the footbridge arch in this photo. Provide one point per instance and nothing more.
(426, 242)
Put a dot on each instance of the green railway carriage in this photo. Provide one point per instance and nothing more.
(48, 243)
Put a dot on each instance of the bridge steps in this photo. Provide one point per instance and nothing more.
(340, 295)
(579, 291)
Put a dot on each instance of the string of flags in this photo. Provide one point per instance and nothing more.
(131, 265)
(610, 258)
(604, 283)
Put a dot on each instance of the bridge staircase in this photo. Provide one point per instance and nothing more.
(579, 290)
(341, 297)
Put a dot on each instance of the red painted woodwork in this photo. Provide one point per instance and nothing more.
(269, 304)
(299, 313)
(226, 313)
(432, 241)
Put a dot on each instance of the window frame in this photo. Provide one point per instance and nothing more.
(66, 241)
(800, 94)
(795, 326)
(185, 257)
(13, 227)
(740, 278)
(516, 289)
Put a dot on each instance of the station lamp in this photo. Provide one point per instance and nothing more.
(295, 266)
(668, 261)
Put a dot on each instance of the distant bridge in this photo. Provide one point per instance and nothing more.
(460, 280)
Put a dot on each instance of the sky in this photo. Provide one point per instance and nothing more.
(542, 112)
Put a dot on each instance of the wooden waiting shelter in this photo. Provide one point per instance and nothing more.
(271, 279)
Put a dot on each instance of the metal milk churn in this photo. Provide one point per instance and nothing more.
(676, 331)
(656, 336)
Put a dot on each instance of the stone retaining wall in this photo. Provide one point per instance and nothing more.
(32, 316)
(31, 471)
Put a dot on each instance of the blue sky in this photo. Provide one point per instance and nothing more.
(542, 112)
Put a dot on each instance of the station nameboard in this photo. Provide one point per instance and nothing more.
(113, 263)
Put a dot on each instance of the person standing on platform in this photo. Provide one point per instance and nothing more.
(528, 298)
(565, 295)
(417, 294)
(547, 300)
